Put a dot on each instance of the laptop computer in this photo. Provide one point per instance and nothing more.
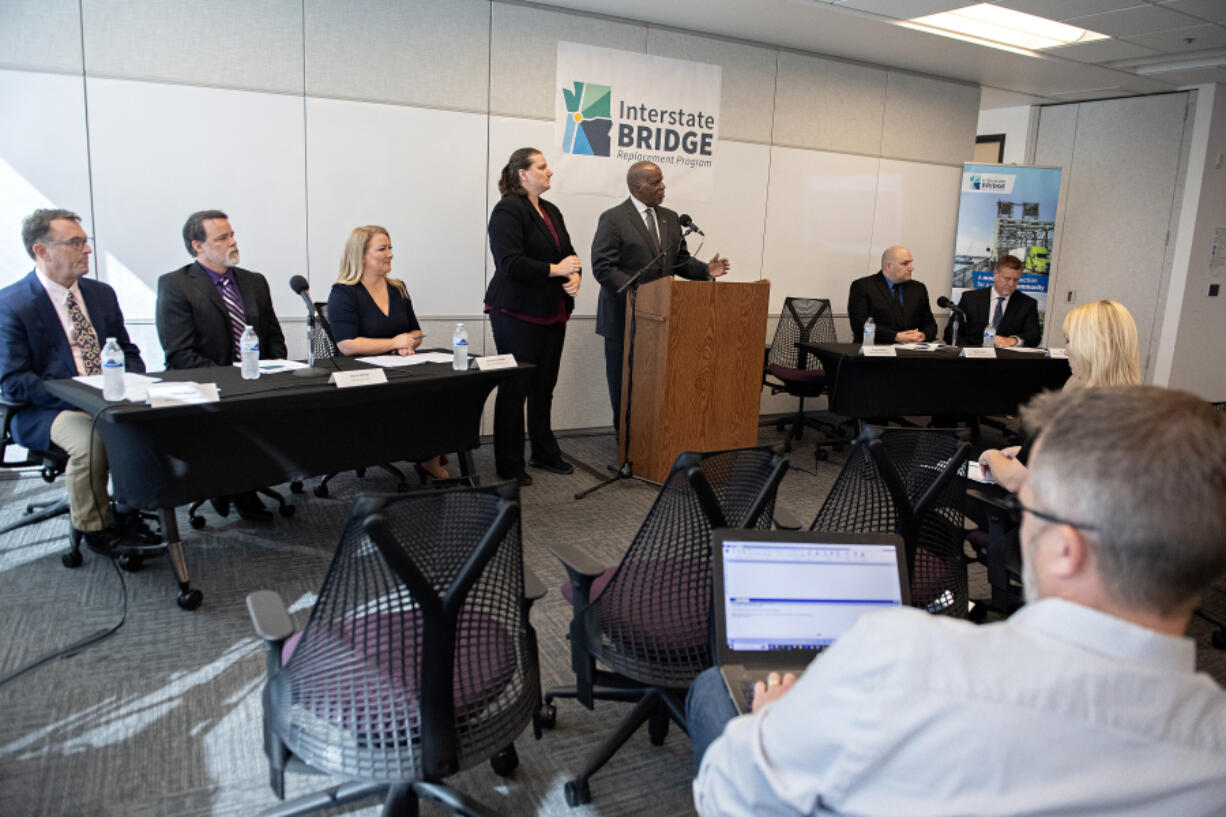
(781, 597)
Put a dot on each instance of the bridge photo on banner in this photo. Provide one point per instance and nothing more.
(1006, 210)
(615, 108)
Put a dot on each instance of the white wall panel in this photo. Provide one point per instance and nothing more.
(157, 159)
(417, 172)
(819, 224)
(43, 157)
(917, 206)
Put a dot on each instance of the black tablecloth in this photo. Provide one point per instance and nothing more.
(281, 427)
(936, 382)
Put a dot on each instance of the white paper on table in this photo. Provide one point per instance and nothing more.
(393, 361)
(135, 386)
(184, 393)
(274, 366)
(922, 346)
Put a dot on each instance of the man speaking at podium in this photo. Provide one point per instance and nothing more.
(638, 235)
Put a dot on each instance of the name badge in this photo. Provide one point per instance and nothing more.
(358, 377)
(491, 362)
(878, 351)
(979, 351)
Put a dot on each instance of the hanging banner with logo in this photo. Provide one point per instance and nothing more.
(1006, 210)
(615, 108)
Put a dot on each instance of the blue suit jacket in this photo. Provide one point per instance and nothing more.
(34, 348)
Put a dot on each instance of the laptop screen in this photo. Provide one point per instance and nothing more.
(781, 595)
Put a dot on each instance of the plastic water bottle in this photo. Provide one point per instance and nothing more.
(459, 348)
(112, 370)
(989, 336)
(870, 332)
(249, 345)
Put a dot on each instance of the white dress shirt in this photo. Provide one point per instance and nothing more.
(59, 300)
(1061, 709)
(1004, 307)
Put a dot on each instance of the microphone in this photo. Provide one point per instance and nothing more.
(299, 284)
(689, 225)
(952, 307)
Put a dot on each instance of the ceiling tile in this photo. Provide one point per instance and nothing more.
(1101, 51)
(1129, 22)
(1212, 10)
(903, 11)
(1063, 9)
(1173, 42)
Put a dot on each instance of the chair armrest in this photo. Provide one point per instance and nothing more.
(534, 588)
(269, 616)
(576, 561)
(986, 498)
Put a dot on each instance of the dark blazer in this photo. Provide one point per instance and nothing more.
(352, 313)
(1021, 318)
(622, 247)
(34, 348)
(871, 296)
(194, 326)
(523, 249)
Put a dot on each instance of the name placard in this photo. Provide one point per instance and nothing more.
(490, 362)
(979, 351)
(878, 351)
(1060, 353)
(358, 377)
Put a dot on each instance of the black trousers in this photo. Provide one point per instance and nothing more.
(541, 346)
(613, 373)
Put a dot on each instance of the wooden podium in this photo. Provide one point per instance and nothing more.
(697, 370)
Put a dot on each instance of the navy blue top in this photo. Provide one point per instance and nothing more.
(354, 314)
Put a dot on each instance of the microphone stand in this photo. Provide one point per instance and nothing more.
(625, 469)
(311, 370)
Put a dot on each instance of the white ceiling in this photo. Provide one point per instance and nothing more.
(1146, 36)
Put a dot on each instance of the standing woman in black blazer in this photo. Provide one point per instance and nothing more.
(529, 301)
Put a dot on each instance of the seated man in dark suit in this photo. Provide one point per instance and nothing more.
(53, 324)
(203, 308)
(1015, 315)
(898, 305)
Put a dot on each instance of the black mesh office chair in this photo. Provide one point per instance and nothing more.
(911, 482)
(418, 659)
(799, 373)
(323, 344)
(52, 462)
(648, 619)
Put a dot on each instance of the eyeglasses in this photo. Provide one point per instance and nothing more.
(77, 243)
(1016, 509)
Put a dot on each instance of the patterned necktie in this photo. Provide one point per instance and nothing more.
(1000, 310)
(238, 321)
(652, 229)
(84, 336)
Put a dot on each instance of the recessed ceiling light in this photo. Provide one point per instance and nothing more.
(998, 27)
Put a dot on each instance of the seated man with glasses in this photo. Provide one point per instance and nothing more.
(1086, 701)
(53, 324)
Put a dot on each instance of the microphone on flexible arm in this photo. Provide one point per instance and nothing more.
(959, 315)
(299, 285)
(690, 226)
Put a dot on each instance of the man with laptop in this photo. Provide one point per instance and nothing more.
(1086, 701)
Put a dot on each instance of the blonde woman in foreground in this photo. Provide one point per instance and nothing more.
(1101, 341)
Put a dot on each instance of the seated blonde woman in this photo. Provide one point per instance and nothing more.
(1101, 341)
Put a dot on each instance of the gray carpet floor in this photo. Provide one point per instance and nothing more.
(163, 718)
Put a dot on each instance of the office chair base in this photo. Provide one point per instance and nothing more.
(400, 800)
(38, 512)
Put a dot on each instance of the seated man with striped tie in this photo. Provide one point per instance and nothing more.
(202, 309)
(53, 323)
(1015, 315)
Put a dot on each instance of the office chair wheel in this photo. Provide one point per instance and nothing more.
(321, 490)
(978, 614)
(577, 792)
(295, 487)
(197, 522)
(131, 562)
(1218, 639)
(505, 762)
(190, 599)
(657, 727)
(73, 559)
(286, 510)
(547, 715)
